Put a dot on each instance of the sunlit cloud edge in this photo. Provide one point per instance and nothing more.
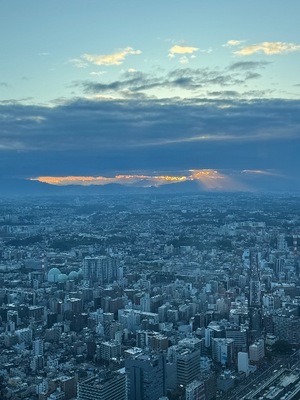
(208, 179)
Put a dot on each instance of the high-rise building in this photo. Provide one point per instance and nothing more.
(146, 376)
(210, 386)
(243, 362)
(24, 336)
(281, 243)
(195, 391)
(57, 395)
(287, 328)
(37, 363)
(101, 269)
(105, 386)
(151, 339)
(268, 301)
(213, 330)
(225, 381)
(188, 365)
(162, 313)
(257, 351)
(67, 384)
(12, 316)
(239, 335)
(223, 350)
(145, 302)
(191, 343)
(109, 350)
(279, 266)
(38, 347)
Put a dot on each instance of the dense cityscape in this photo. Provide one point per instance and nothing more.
(150, 297)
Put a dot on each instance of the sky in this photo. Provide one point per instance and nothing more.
(96, 92)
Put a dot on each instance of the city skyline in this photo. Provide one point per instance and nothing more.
(92, 90)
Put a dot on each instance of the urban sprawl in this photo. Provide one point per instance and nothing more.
(193, 297)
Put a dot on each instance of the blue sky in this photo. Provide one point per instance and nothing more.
(101, 88)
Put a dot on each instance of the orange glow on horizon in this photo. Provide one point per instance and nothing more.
(212, 179)
(209, 179)
(68, 180)
(155, 180)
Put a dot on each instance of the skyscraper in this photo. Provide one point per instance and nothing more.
(101, 269)
(222, 350)
(146, 376)
(38, 347)
(105, 386)
(188, 365)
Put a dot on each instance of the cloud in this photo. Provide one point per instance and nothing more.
(177, 49)
(78, 63)
(4, 84)
(225, 93)
(248, 65)
(216, 180)
(124, 179)
(205, 178)
(110, 59)
(136, 82)
(268, 48)
(184, 60)
(207, 51)
(209, 179)
(231, 43)
(260, 172)
(252, 75)
(84, 124)
(111, 137)
(98, 73)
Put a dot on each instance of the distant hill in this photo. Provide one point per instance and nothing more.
(271, 183)
(255, 182)
(23, 187)
(18, 187)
